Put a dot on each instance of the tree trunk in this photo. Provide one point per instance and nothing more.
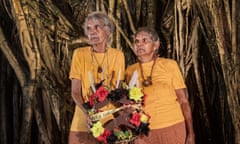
(37, 39)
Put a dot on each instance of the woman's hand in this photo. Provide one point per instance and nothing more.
(190, 139)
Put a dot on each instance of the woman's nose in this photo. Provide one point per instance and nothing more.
(139, 43)
(92, 30)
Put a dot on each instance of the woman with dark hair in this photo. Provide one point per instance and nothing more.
(163, 84)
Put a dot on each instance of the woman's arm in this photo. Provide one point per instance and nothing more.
(182, 99)
(76, 91)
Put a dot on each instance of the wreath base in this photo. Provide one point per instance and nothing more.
(127, 141)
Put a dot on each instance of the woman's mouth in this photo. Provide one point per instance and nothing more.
(140, 50)
(94, 38)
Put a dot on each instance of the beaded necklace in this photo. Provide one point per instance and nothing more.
(99, 68)
(148, 81)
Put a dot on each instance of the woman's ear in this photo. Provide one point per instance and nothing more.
(107, 30)
(156, 45)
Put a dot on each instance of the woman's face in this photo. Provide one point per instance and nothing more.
(144, 46)
(96, 32)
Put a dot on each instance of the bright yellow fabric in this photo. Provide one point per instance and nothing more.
(84, 61)
(161, 100)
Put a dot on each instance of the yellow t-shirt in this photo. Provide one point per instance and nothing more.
(84, 61)
(161, 100)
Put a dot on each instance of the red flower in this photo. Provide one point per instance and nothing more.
(136, 119)
(103, 137)
(144, 99)
(92, 100)
(101, 93)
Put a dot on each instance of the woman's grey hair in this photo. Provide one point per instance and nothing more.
(108, 24)
(152, 33)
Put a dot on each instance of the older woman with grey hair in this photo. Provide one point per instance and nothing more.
(101, 63)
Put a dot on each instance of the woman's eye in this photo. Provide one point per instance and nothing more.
(97, 27)
(136, 41)
(144, 40)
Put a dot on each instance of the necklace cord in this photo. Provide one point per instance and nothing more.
(148, 81)
(99, 68)
(104, 73)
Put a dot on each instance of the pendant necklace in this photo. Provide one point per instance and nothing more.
(148, 81)
(99, 68)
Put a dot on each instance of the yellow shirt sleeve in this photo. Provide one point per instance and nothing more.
(75, 70)
(177, 80)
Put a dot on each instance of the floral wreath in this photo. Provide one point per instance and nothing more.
(124, 97)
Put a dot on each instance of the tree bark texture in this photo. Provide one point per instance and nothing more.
(37, 39)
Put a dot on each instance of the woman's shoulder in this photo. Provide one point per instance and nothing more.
(81, 51)
(114, 50)
(167, 61)
(132, 67)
